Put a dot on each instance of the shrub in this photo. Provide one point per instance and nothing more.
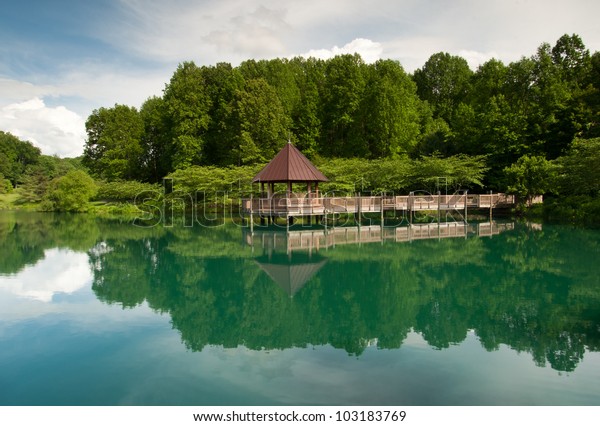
(71, 192)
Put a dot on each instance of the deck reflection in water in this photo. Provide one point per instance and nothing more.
(316, 239)
(291, 274)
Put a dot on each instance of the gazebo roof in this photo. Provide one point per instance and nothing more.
(289, 276)
(290, 165)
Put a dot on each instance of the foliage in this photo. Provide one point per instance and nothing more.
(444, 81)
(262, 123)
(575, 209)
(209, 182)
(402, 174)
(5, 185)
(113, 148)
(38, 176)
(372, 127)
(15, 156)
(530, 177)
(124, 191)
(187, 105)
(580, 168)
(71, 192)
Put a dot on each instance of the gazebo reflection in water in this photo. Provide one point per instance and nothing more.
(292, 257)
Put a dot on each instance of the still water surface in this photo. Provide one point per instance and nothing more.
(99, 312)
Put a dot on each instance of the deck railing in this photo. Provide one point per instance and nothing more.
(311, 204)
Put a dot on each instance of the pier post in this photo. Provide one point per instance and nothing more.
(410, 206)
(357, 215)
(466, 191)
(439, 196)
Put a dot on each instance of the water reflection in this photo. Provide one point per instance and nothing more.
(60, 271)
(535, 290)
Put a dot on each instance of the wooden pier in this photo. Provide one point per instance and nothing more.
(306, 204)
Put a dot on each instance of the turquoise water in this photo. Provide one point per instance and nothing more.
(99, 312)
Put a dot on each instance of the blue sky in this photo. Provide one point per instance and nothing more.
(61, 59)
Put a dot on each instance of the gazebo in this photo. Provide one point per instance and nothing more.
(289, 166)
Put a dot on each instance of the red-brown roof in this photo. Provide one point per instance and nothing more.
(290, 165)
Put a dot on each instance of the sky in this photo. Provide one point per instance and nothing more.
(62, 59)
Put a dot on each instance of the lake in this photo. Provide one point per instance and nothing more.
(102, 312)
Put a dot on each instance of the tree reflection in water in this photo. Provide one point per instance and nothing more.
(533, 289)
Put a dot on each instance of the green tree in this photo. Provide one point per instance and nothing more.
(572, 58)
(591, 97)
(263, 124)
(38, 176)
(15, 156)
(5, 185)
(580, 168)
(530, 177)
(575, 114)
(223, 82)
(113, 149)
(187, 105)
(459, 171)
(551, 97)
(343, 90)
(390, 110)
(71, 192)
(306, 118)
(444, 81)
(157, 150)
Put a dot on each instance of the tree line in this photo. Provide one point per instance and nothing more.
(534, 115)
(343, 108)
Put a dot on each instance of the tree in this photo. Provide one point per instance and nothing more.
(157, 151)
(390, 110)
(263, 125)
(5, 185)
(444, 82)
(113, 149)
(306, 118)
(187, 106)
(38, 176)
(71, 192)
(343, 91)
(572, 58)
(15, 156)
(223, 82)
(530, 177)
(580, 168)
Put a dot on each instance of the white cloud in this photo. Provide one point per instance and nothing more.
(61, 271)
(369, 50)
(18, 91)
(475, 59)
(55, 130)
(206, 32)
(254, 34)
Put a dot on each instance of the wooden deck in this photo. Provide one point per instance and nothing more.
(310, 205)
(310, 240)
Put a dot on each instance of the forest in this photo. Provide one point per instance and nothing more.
(529, 127)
